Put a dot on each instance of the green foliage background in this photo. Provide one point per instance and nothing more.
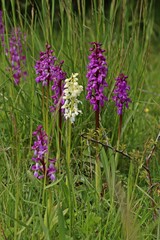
(129, 32)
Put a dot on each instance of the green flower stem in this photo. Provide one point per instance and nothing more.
(120, 128)
(119, 138)
(43, 192)
(68, 141)
(98, 183)
(69, 177)
(58, 142)
(49, 211)
(60, 116)
(32, 83)
(98, 174)
(45, 108)
(59, 124)
(17, 188)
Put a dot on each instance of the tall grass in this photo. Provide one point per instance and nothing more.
(31, 210)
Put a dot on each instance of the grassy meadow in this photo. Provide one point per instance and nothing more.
(107, 185)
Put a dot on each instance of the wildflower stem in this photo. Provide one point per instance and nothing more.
(120, 127)
(118, 141)
(47, 108)
(98, 173)
(59, 137)
(17, 188)
(60, 115)
(48, 212)
(43, 110)
(60, 126)
(97, 164)
(43, 192)
(97, 117)
(69, 182)
(68, 140)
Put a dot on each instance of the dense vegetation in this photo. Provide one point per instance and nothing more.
(107, 182)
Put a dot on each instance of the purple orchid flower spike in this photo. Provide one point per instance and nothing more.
(44, 67)
(16, 57)
(97, 73)
(121, 93)
(40, 148)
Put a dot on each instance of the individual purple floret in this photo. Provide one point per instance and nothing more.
(40, 148)
(2, 29)
(15, 54)
(45, 68)
(51, 170)
(58, 85)
(97, 72)
(121, 93)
